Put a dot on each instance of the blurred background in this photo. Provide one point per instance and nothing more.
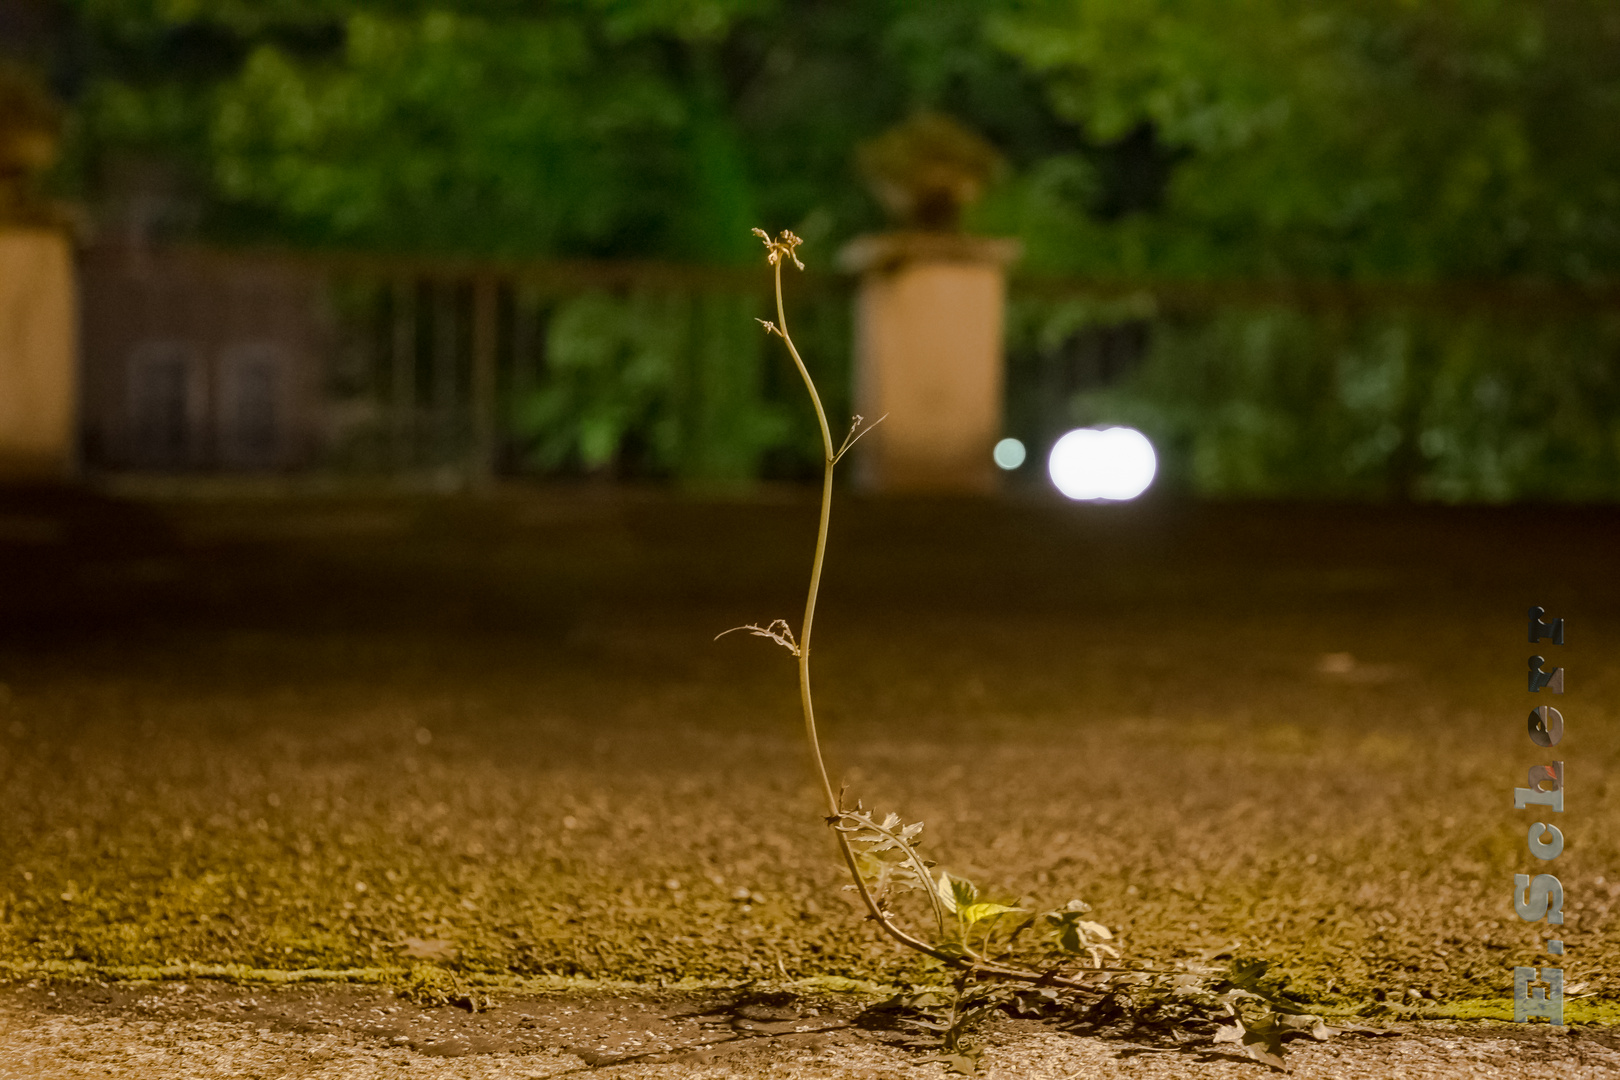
(1358, 249)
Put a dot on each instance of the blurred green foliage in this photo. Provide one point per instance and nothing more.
(585, 127)
(679, 372)
(1326, 140)
(1194, 138)
(678, 384)
(1367, 139)
(1266, 400)
(1346, 138)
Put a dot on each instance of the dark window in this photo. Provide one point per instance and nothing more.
(250, 406)
(160, 405)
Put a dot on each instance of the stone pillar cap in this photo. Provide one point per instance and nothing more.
(880, 252)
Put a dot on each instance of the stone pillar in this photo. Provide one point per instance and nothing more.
(38, 355)
(928, 353)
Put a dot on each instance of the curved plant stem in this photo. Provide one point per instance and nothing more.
(834, 810)
(829, 462)
(782, 251)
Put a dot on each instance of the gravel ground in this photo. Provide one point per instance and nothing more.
(496, 737)
(209, 1032)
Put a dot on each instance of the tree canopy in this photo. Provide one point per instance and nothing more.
(1352, 138)
(1336, 139)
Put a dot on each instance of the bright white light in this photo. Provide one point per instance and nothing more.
(1009, 453)
(1114, 463)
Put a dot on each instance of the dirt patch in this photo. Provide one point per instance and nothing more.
(599, 1029)
(206, 1030)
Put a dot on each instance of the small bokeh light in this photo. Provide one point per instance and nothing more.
(1112, 464)
(1009, 453)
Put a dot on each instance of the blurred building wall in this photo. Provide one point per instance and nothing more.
(38, 384)
(196, 360)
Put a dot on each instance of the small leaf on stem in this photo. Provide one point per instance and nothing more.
(778, 631)
(973, 913)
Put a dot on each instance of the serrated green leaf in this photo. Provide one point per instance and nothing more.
(973, 913)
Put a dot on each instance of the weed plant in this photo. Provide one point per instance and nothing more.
(1000, 955)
